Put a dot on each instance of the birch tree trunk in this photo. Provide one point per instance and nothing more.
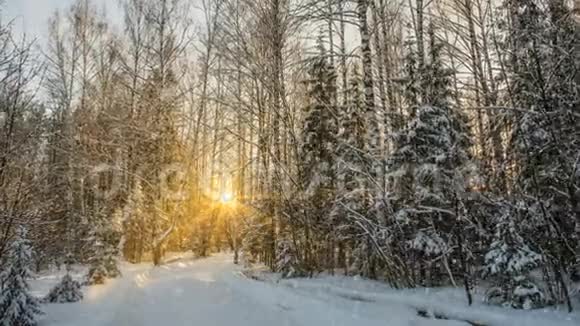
(372, 130)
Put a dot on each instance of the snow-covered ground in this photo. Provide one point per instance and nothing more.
(214, 291)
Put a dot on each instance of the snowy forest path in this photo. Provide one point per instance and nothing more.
(183, 292)
(213, 291)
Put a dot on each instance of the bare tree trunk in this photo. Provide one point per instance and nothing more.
(419, 31)
(368, 85)
(343, 68)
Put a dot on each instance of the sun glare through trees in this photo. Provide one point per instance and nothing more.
(412, 143)
(226, 197)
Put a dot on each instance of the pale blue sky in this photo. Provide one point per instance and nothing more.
(31, 16)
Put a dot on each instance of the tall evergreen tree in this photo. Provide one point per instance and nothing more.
(17, 306)
(136, 225)
(353, 197)
(320, 129)
(428, 165)
(317, 156)
(103, 261)
(350, 153)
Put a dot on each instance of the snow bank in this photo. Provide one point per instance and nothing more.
(448, 302)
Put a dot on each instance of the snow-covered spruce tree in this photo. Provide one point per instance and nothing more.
(103, 260)
(135, 225)
(508, 261)
(17, 306)
(427, 168)
(319, 129)
(353, 198)
(97, 273)
(66, 291)
(317, 158)
(350, 154)
(546, 135)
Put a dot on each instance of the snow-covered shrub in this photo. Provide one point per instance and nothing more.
(527, 295)
(504, 258)
(17, 306)
(524, 294)
(111, 266)
(287, 262)
(97, 274)
(68, 290)
(508, 262)
(428, 243)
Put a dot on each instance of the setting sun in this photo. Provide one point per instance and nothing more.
(226, 197)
